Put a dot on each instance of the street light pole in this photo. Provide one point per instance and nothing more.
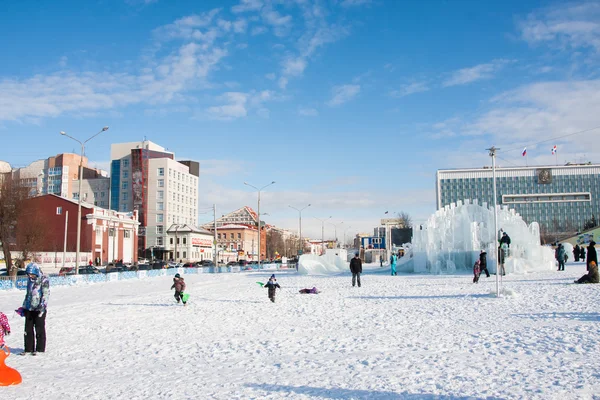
(335, 231)
(492, 151)
(323, 233)
(258, 213)
(345, 230)
(79, 196)
(300, 245)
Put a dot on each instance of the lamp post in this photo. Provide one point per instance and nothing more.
(79, 195)
(301, 245)
(492, 151)
(345, 230)
(335, 231)
(323, 233)
(258, 213)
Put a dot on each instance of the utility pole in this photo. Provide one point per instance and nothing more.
(215, 239)
(322, 233)
(258, 214)
(492, 151)
(301, 246)
(65, 243)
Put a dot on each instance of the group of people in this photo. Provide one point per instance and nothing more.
(34, 310)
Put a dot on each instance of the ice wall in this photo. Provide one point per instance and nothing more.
(452, 238)
(328, 264)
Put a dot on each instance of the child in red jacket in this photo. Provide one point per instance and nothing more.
(179, 285)
(4, 328)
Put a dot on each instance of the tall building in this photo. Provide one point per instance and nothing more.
(560, 198)
(59, 175)
(146, 178)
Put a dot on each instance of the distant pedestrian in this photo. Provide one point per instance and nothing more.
(576, 252)
(356, 269)
(35, 310)
(591, 254)
(559, 254)
(4, 328)
(582, 253)
(393, 261)
(483, 263)
(505, 240)
(179, 286)
(476, 271)
(272, 286)
(381, 261)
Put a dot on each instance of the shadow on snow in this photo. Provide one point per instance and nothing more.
(443, 296)
(578, 316)
(336, 393)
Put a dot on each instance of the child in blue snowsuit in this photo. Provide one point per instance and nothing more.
(272, 285)
(393, 260)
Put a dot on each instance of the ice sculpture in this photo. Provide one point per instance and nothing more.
(332, 262)
(452, 238)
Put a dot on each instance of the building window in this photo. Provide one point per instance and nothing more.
(126, 234)
(184, 254)
(123, 207)
(184, 241)
(58, 210)
(160, 229)
(98, 235)
(102, 194)
(125, 185)
(161, 172)
(125, 163)
(160, 206)
(161, 183)
(171, 240)
(111, 232)
(125, 174)
(160, 195)
(75, 196)
(159, 241)
(125, 196)
(231, 236)
(160, 218)
(218, 236)
(239, 235)
(170, 173)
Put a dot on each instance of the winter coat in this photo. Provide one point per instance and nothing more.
(560, 253)
(393, 259)
(272, 285)
(356, 265)
(576, 251)
(178, 284)
(477, 268)
(593, 273)
(38, 293)
(505, 239)
(4, 328)
(582, 253)
(483, 260)
(591, 254)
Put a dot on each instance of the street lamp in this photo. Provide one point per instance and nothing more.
(335, 231)
(301, 245)
(323, 232)
(79, 195)
(258, 212)
(346, 230)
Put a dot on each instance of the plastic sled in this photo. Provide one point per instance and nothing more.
(8, 376)
(185, 297)
(261, 284)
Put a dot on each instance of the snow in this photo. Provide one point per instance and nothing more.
(327, 264)
(401, 337)
(452, 238)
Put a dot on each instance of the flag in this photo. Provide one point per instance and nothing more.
(554, 150)
(524, 151)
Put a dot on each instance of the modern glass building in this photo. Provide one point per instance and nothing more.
(560, 198)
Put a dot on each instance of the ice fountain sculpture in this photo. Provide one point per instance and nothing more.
(452, 238)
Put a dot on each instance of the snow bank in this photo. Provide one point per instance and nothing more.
(452, 238)
(328, 264)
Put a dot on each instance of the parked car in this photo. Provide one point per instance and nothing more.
(20, 272)
(206, 263)
(88, 270)
(189, 265)
(243, 263)
(159, 265)
(232, 263)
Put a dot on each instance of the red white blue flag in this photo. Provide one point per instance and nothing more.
(554, 150)
(524, 151)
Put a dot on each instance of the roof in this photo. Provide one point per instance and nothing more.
(234, 226)
(187, 228)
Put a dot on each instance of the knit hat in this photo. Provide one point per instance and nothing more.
(272, 276)
(33, 269)
(177, 276)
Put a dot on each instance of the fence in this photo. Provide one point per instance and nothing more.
(21, 281)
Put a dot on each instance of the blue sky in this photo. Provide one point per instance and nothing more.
(350, 105)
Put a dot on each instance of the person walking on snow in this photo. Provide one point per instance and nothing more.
(393, 260)
(560, 257)
(476, 271)
(35, 307)
(179, 285)
(576, 252)
(591, 254)
(272, 286)
(483, 263)
(356, 269)
(4, 328)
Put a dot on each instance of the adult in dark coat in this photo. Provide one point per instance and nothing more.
(591, 254)
(505, 239)
(576, 252)
(356, 269)
(483, 263)
(582, 253)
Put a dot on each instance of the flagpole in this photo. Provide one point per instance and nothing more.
(526, 163)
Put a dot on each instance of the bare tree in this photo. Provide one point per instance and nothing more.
(405, 219)
(12, 196)
(33, 232)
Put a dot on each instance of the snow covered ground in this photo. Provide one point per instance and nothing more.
(402, 337)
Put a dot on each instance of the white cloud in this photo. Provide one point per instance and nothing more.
(258, 30)
(343, 94)
(247, 5)
(411, 88)
(294, 66)
(189, 27)
(571, 25)
(354, 3)
(282, 83)
(308, 112)
(476, 73)
(240, 26)
(238, 105)
(281, 24)
(271, 76)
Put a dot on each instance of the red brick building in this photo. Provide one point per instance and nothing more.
(106, 234)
